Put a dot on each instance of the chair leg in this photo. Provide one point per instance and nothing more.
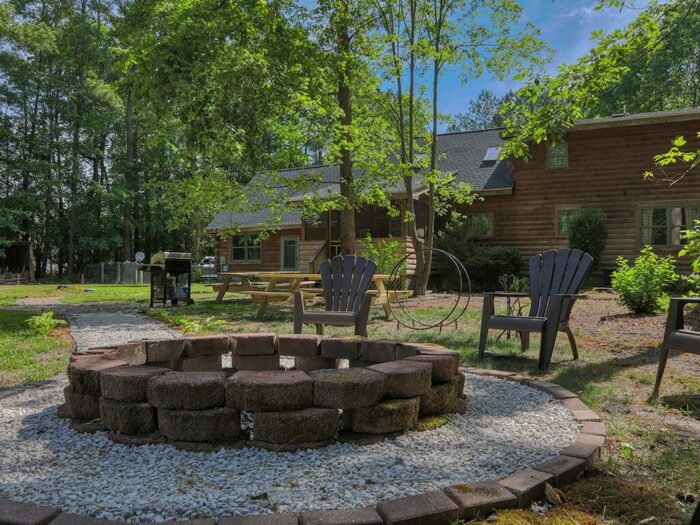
(572, 340)
(524, 340)
(362, 317)
(660, 372)
(298, 313)
(319, 329)
(547, 342)
(482, 340)
(486, 312)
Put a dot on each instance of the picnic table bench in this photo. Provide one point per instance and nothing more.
(275, 287)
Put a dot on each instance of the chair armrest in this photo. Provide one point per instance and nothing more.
(573, 295)
(686, 300)
(508, 294)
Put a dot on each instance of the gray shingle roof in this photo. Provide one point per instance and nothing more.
(462, 154)
(459, 153)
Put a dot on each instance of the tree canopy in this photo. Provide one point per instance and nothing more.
(649, 65)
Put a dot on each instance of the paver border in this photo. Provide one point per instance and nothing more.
(435, 507)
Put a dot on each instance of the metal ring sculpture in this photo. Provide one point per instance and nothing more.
(461, 272)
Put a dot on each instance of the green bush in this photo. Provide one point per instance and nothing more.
(692, 250)
(484, 263)
(385, 254)
(642, 285)
(588, 231)
(43, 324)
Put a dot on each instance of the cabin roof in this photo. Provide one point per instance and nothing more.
(461, 154)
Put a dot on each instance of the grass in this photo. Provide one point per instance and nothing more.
(26, 356)
(651, 454)
(88, 293)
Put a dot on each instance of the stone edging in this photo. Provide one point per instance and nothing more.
(467, 501)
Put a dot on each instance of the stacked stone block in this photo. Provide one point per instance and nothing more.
(82, 395)
(176, 390)
(306, 351)
(254, 352)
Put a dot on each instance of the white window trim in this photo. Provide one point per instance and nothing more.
(669, 226)
(246, 259)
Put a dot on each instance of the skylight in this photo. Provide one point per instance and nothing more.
(492, 154)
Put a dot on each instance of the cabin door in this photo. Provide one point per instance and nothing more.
(290, 254)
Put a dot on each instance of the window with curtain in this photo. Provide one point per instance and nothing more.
(245, 248)
(663, 226)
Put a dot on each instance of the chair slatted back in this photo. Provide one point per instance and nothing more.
(554, 272)
(345, 282)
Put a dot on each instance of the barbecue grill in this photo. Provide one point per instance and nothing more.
(171, 277)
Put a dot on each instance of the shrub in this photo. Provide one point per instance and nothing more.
(588, 231)
(44, 323)
(692, 250)
(484, 263)
(642, 285)
(385, 254)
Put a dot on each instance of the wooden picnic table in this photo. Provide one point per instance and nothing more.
(281, 286)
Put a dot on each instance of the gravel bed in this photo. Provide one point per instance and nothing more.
(97, 329)
(507, 427)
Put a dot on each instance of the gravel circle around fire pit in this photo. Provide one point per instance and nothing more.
(507, 427)
(93, 330)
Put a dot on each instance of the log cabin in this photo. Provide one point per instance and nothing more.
(524, 203)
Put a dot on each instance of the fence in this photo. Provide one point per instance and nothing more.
(128, 273)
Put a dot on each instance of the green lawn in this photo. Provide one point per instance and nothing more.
(651, 455)
(88, 293)
(26, 356)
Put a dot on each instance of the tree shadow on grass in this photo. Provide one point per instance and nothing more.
(578, 376)
(689, 404)
(625, 501)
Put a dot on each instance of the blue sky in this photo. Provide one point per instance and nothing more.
(566, 26)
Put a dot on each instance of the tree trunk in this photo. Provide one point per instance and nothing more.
(128, 176)
(75, 146)
(423, 278)
(347, 214)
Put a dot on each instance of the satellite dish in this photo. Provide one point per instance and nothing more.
(139, 256)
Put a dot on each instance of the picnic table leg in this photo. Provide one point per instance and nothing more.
(264, 304)
(223, 289)
(382, 297)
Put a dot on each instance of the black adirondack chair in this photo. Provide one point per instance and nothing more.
(676, 337)
(555, 279)
(345, 281)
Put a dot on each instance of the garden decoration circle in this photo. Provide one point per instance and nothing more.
(455, 312)
(499, 436)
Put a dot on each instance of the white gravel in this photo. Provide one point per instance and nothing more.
(507, 427)
(91, 330)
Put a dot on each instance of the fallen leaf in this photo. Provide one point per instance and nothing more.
(553, 495)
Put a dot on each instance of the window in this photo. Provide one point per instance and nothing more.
(480, 225)
(557, 155)
(245, 248)
(492, 154)
(316, 227)
(564, 217)
(376, 221)
(663, 226)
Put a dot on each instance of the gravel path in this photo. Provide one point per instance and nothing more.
(110, 328)
(507, 427)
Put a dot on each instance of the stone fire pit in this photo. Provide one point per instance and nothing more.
(178, 390)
